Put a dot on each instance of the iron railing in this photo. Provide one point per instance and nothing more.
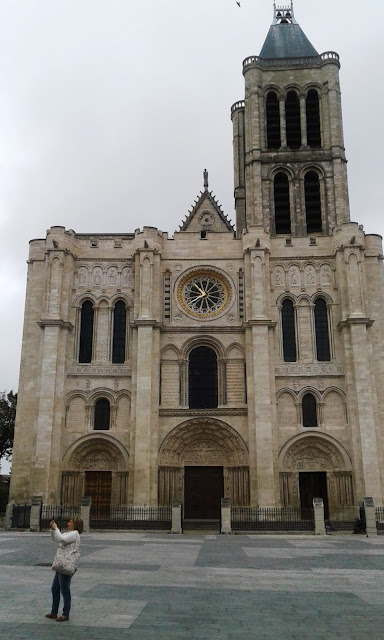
(272, 519)
(132, 518)
(21, 515)
(380, 520)
(59, 513)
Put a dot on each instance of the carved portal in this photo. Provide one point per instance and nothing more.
(318, 454)
(94, 454)
(204, 442)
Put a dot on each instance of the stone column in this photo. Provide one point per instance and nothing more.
(303, 121)
(318, 509)
(370, 517)
(34, 522)
(176, 516)
(225, 516)
(85, 512)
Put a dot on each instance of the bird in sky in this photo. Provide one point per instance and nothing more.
(238, 3)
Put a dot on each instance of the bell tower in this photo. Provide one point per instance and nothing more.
(289, 159)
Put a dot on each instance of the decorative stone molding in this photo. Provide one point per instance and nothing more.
(204, 412)
(324, 369)
(93, 370)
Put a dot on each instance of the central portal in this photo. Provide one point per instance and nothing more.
(203, 490)
(313, 485)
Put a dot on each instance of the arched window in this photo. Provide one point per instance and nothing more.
(292, 120)
(282, 203)
(309, 406)
(202, 378)
(119, 332)
(312, 108)
(312, 202)
(323, 348)
(273, 121)
(86, 332)
(289, 331)
(102, 414)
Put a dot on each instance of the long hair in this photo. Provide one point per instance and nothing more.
(78, 524)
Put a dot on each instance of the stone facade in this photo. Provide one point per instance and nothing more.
(254, 430)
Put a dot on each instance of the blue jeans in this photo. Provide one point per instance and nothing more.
(61, 583)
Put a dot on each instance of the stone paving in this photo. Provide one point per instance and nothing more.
(162, 587)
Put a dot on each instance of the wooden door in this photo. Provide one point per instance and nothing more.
(203, 490)
(98, 485)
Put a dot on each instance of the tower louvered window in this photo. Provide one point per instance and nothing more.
(241, 294)
(312, 202)
(313, 119)
(86, 332)
(167, 295)
(288, 331)
(273, 121)
(309, 407)
(323, 349)
(119, 333)
(282, 203)
(292, 119)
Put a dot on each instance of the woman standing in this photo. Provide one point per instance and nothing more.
(61, 582)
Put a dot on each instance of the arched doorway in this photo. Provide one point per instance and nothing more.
(96, 465)
(315, 465)
(201, 461)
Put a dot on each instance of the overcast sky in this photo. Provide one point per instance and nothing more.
(111, 109)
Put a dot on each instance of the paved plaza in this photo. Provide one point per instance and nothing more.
(164, 587)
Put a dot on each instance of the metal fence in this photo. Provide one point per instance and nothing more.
(272, 519)
(132, 518)
(21, 515)
(60, 514)
(380, 520)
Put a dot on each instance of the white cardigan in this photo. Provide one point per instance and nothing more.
(70, 540)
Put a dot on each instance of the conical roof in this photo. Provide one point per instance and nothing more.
(285, 38)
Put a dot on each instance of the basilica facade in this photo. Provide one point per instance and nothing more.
(242, 362)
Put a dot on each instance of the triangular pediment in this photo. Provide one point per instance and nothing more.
(206, 215)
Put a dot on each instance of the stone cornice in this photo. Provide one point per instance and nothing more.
(55, 322)
(146, 323)
(343, 324)
(260, 322)
(201, 413)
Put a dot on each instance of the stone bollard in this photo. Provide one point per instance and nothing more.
(34, 522)
(370, 517)
(8, 515)
(176, 516)
(85, 512)
(226, 516)
(318, 509)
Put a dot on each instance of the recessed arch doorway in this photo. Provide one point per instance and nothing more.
(201, 461)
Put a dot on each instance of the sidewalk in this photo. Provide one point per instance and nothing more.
(163, 587)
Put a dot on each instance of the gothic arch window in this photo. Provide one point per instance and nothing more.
(102, 414)
(119, 335)
(86, 332)
(312, 202)
(202, 378)
(273, 121)
(288, 331)
(293, 120)
(312, 108)
(323, 347)
(309, 408)
(282, 203)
